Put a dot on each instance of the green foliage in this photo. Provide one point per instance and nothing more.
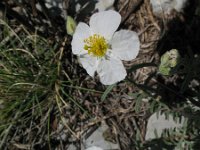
(28, 73)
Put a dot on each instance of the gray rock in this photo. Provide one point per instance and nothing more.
(159, 122)
(97, 139)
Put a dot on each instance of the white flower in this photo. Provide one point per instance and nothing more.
(101, 49)
(94, 148)
(102, 5)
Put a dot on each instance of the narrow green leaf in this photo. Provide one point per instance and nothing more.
(107, 91)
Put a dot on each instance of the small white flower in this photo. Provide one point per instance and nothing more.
(102, 5)
(101, 49)
(94, 148)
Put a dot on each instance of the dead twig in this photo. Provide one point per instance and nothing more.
(46, 12)
(65, 7)
(133, 9)
(34, 9)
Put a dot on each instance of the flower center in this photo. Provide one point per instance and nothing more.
(96, 45)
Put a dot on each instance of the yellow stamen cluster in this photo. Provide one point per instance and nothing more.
(96, 45)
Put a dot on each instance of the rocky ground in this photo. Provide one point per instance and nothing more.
(121, 116)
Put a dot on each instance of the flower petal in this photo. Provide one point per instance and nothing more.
(125, 44)
(111, 71)
(89, 63)
(82, 32)
(105, 23)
